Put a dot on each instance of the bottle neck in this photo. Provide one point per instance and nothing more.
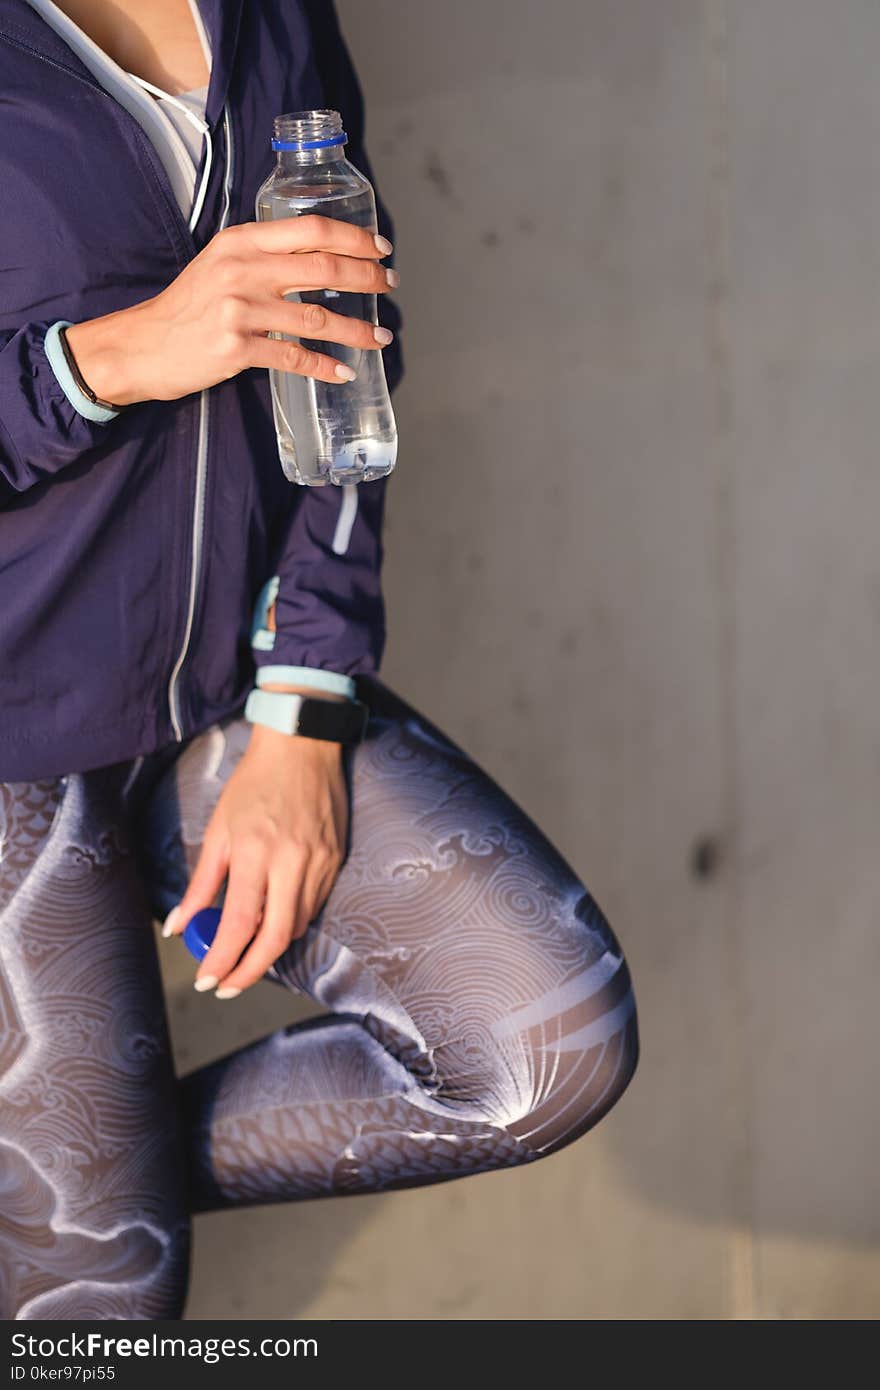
(304, 159)
(307, 138)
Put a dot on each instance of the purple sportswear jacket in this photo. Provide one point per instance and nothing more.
(134, 553)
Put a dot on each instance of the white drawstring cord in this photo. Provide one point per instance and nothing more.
(204, 130)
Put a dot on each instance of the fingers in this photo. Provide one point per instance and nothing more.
(250, 278)
(297, 889)
(312, 232)
(279, 914)
(315, 322)
(242, 907)
(326, 270)
(293, 357)
(205, 883)
(322, 253)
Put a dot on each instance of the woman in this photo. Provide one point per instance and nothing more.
(479, 1011)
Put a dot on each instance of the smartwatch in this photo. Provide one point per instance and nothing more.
(334, 721)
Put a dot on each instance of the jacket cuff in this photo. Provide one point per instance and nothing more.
(98, 414)
(312, 676)
(263, 641)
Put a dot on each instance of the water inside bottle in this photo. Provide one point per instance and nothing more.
(332, 432)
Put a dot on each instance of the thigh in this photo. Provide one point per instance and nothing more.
(93, 1220)
(467, 944)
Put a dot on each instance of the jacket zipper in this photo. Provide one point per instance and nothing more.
(202, 440)
(198, 528)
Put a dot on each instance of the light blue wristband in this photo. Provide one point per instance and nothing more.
(57, 361)
(312, 676)
(274, 710)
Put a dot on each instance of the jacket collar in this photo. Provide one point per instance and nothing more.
(221, 19)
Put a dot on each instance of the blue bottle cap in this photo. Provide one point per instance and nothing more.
(200, 931)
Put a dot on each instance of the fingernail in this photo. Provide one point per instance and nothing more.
(171, 921)
(393, 278)
(205, 982)
(383, 336)
(345, 373)
(383, 245)
(227, 992)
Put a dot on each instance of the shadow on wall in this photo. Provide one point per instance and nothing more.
(558, 599)
(704, 1130)
(555, 605)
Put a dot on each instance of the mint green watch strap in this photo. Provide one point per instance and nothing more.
(274, 709)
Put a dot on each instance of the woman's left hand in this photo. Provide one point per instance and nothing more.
(278, 831)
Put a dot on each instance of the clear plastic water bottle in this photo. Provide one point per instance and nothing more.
(327, 432)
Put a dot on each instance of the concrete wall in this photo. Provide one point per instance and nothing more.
(633, 566)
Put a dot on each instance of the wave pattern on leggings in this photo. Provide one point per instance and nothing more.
(89, 1224)
(479, 1013)
(484, 1013)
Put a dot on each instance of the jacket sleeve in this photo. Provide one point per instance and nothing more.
(329, 610)
(44, 424)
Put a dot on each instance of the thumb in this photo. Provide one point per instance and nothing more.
(205, 884)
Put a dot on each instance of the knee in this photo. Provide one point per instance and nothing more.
(579, 1048)
(586, 1090)
(545, 1078)
(593, 1082)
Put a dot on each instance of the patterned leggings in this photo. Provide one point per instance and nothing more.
(480, 1013)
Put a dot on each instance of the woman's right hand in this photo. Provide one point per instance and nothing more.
(212, 320)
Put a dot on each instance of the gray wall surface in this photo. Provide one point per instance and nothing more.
(633, 566)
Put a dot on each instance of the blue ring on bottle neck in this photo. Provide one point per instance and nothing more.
(339, 139)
